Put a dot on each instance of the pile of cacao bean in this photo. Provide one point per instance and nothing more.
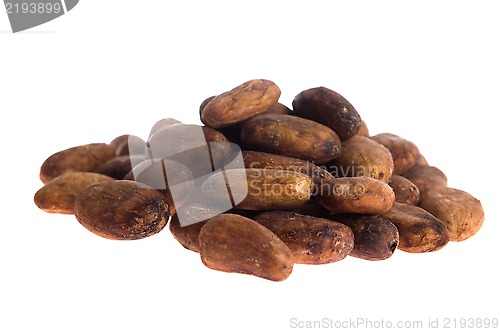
(266, 186)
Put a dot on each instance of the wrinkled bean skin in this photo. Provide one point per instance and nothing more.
(290, 136)
(241, 103)
(312, 240)
(363, 195)
(257, 159)
(419, 231)
(362, 156)
(262, 189)
(405, 191)
(83, 158)
(404, 153)
(233, 243)
(461, 212)
(329, 108)
(59, 195)
(121, 210)
(375, 238)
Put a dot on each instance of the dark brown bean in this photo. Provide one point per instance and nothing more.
(419, 231)
(290, 136)
(404, 153)
(329, 108)
(122, 145)
(279, 108)
(188, 235)
(121, 210)
(119, 167)
(375, 238)
(426, 177)
(163, 174)
(241, 103)
(312, 240)
(83, 158)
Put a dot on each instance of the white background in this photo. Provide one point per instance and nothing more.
(426, 70)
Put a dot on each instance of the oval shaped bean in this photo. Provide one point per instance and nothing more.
(83, 158)
(405, 191)
(375, 238)
(312, 240)
(188, 235)
(119, 167)
(233, 243)
(257, 159)
(404, 153)
(59, 195)
(291, 136)
(419, 231)
(329, 108)
(261, 189)
(461, 212)
(241, 103)
(172, 179)
(426, 177)
(121, 210)
(279, 108)
(363, 195)
(361, 156)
